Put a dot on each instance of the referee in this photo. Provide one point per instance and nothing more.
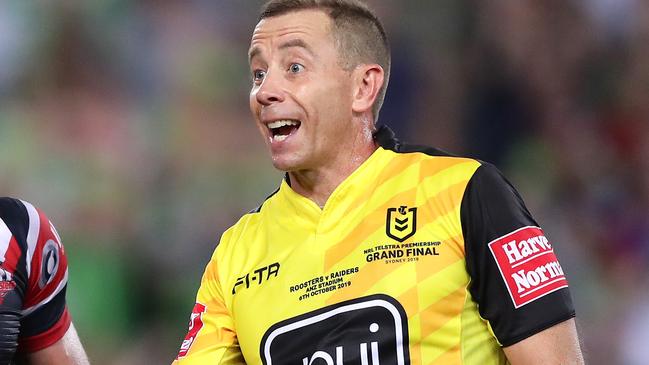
(371, 250)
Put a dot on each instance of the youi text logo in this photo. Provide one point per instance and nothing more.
(369, 331)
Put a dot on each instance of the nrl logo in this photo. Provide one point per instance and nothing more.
(401, 223)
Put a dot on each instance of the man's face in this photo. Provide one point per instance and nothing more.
(301, 97)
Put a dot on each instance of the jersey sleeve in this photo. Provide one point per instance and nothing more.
(516, 279)
(45, 318)
(14, 224)
(211, 338)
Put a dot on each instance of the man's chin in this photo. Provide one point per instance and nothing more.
(285, 165)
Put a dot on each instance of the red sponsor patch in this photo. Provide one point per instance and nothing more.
(5, 288)
(528, 265)
(195, 325)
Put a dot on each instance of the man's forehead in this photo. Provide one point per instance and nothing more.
(304, 24)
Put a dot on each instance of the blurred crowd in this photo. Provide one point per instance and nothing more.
(128, 123)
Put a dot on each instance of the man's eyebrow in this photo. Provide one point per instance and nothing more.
(254, 51)
(297, 42)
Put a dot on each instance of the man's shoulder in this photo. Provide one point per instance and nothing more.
(430, 161)
(432, 154)
(14, 220)
(431, 168)
(386, 139)
(11, 206)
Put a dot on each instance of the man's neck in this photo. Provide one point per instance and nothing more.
(318, 184)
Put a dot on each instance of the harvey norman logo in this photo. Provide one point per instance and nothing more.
(528, 265)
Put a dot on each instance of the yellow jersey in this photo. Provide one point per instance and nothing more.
(418, 257)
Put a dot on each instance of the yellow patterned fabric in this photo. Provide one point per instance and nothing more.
(376, 276)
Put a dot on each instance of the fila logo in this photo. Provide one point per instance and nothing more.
(528, 265)
(401, 223)
(369, 331)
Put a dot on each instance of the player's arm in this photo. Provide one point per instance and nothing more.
(561, 339)
(516, 279)
(211, 338)
(66, 351)
(46, 332)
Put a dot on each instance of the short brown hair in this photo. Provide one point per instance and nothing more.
(357, 32)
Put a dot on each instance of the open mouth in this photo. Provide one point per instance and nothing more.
(281, 129)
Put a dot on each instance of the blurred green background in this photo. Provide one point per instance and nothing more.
(127, 122)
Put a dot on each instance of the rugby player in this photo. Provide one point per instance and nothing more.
(35, 326)
(371, 250)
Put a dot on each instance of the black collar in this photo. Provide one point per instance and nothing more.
(385, 138)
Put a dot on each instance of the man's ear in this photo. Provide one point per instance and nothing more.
(368, 80)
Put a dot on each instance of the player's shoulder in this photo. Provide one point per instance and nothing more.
(7, 200)
(430, 159)
(19, 214)
(385, 137)
(11, 206)
(14, 218)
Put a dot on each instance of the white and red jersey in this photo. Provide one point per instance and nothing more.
(33, 279)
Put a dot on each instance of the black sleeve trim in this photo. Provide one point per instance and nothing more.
(492, 208)
(538, 329)
(42, 319)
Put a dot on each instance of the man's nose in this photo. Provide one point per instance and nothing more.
(270, 91)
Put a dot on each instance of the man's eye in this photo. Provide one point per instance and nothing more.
(258, 75)
(295, 68)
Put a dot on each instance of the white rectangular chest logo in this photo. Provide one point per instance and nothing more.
(369, 331)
